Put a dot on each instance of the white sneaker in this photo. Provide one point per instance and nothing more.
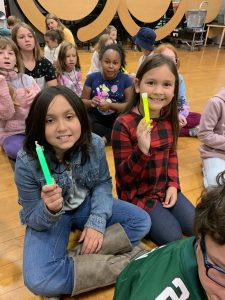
(194, 131)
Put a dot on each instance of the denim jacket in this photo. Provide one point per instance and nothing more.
(93, 176)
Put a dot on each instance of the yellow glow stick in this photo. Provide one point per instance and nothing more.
(124, 70)
(146, 108)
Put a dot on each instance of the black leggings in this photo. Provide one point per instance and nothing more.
(102, 125)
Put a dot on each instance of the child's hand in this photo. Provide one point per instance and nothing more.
(182, 121)
(105, 106)
(92, 240)
(52, 197)
(95, 101)
(144, 136)
(171, 197)
(29, 96)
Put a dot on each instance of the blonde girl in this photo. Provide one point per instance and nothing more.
(188, 121)
(103, 41)
(37, 66)
(112, 32)
(53, 22)
(17, 93)
(68, 68)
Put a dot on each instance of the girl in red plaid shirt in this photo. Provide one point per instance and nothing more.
(145, 156)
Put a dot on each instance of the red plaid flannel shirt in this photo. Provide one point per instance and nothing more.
(142, 179)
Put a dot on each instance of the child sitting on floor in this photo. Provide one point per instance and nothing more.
(188, 121)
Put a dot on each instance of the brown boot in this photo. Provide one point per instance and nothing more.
(93, 271)
(115, 242)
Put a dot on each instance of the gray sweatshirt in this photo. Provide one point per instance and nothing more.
(212, 127)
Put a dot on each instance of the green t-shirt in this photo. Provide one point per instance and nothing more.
(165, 273)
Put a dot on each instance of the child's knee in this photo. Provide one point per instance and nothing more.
(162, 236)
(146, 223)
(34, 284)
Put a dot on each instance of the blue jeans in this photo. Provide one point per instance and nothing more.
(46, 267)
(211, 168)
(169, 224)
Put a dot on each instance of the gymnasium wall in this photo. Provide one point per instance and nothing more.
(131, 14)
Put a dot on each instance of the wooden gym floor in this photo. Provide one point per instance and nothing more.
(204, 74)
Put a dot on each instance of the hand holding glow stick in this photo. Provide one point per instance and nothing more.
(98, 92)
(43, 163)
(146, 108)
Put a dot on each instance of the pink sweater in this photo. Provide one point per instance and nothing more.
(12, 118)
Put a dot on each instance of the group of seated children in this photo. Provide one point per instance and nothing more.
(49, 105)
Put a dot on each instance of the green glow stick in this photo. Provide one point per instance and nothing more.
(43, 163)
(146, 108)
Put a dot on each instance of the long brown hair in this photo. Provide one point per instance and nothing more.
(37, 50)
(61, 65)
(170, 111)
(54, 17)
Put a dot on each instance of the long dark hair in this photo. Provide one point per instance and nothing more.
(169, 112)
(36, 120)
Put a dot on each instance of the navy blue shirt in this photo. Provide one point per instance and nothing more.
(109, 89)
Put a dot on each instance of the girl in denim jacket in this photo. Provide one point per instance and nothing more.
(81, 197)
